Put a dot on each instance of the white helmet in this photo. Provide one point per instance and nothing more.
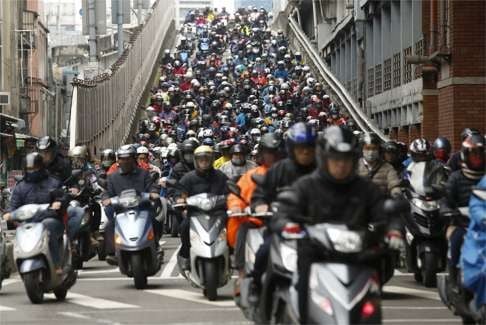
(255, 132)
(142, 150)
(207, 133)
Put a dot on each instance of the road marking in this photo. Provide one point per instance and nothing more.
(412, 308)
(191, 296)
(74, 315)
(7, 282)
(91, 319)
(5, 308)
(93, 302)
(400, 273)
(99, 271)
(171, 265)
(422, 320)
(413, 292)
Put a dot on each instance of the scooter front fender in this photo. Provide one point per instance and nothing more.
(32, 264)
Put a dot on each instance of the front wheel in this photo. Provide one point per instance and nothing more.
(429, 270)
(60, 293)
(211, 277)
(33, 286)
(138, 271)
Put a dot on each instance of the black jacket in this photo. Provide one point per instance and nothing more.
(60, 168)
(213, 182)
(138, 180)
(179, 170)
(283, 173)
(315, 199)
(33, 193)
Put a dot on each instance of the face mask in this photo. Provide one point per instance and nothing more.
(371, 155)
(189, 158)
(125, 167)
(237, 161)
(35, 177)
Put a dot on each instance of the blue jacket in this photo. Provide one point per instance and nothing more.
(283, 74)
(473, 257)
(33, 193)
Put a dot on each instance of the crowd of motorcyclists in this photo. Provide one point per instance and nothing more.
(235, 105)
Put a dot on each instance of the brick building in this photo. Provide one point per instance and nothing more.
(417, 68)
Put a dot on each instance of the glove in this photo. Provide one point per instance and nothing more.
(394, 240)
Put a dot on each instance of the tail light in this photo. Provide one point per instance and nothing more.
(368, 309)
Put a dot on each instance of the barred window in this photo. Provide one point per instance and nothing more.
(371, 82)
(387, 75)
(419, 50)
(407, 68)
(397, 73)
(378, 79)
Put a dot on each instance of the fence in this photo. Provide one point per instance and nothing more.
(104, 109)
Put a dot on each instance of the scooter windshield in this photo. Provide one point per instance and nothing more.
(204, 201)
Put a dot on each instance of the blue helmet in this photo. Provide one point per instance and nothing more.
(300, 134)
(208, 142)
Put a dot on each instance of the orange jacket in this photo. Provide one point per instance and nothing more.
(247, 187)
(115, 167)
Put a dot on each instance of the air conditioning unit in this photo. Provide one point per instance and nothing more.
(4, 98)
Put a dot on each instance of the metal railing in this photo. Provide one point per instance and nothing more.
(300, 42)
(104, 109)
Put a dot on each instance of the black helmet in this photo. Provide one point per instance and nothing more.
(45, 143)
(238, 148)
(107, 158)
(125, 151)
(392, 147)
(300, 134)
(188, 146)
(473, 155)
(270, 141)
(34, 160)
(337, 143)
(442, 143)
(420, 150)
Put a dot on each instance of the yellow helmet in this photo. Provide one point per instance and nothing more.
(203, 158)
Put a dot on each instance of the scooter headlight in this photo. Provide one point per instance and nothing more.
(222, 235)
(426, 205)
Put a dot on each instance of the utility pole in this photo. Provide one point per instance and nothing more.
(92, 31)
(120, 27)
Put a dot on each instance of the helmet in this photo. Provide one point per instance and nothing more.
(238, 148)
(107, 158)
(392, 147)
(142, 150)
(208, 142)
(255, 132)
(203, 152)
(270, 141)
(126, 151)
(441, 148)
(473, 155)
(207, 133)
(420, 150)
(300, 134)
(79, 152)
(45, 143)
(468, 131)
(34, 160)
(370, 138)
(338, 143)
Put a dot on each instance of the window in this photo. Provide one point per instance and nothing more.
(387, 75)
(407, 68)
(419, 50)
(444, 23)
(371, 82)
(378, 79)
(397, 73)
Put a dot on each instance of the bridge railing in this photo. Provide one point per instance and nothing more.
(300, 42)
(104, 109)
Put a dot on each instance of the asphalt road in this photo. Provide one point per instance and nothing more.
(103, 296)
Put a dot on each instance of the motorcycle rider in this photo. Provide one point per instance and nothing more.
(203, 179)
(458, 190)
(269, 152)
(39, 187)
(238, 165)
(128, 176)
(224, 148)
(56, 164)
(391, 154)
(143, 159)
(186, 162)
(372, 166)
(108, 158)
(455, 162)
(332, 193)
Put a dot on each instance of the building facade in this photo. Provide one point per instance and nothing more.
(404, 61)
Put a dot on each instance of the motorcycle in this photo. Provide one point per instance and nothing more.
(136, 246)
(342, 287)
(101, 241)
(210, 265)
(4, 265)
(426, 244)
(460, 300)
(33, 257)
